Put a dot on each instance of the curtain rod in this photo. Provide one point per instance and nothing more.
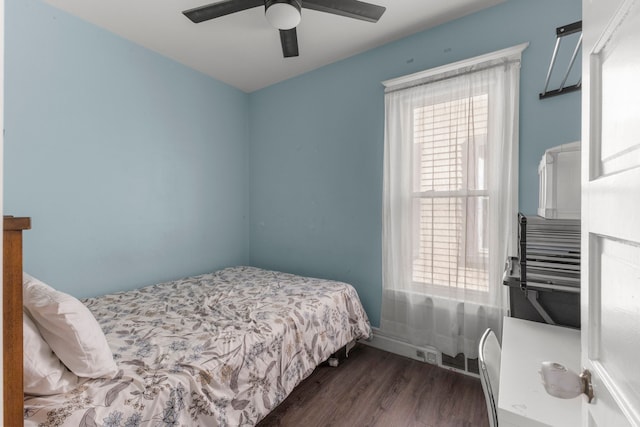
(420, 77)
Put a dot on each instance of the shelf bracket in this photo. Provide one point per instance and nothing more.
(561, 32)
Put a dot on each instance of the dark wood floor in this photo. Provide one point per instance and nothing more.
(376, 388)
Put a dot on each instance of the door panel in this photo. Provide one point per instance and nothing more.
(619, 68)
(618, 270)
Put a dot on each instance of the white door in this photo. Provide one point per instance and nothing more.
(611, 210)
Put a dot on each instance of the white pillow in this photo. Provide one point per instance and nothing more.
(44, 374)
(70, 329)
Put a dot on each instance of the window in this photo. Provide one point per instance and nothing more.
(450, 194)
(450, 199)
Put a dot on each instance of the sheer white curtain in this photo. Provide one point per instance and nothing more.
(450, 202)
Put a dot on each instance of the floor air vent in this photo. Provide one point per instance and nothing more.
(458, 362)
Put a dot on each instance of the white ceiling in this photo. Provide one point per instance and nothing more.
(243, 50)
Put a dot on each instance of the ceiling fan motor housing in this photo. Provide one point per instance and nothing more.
(283, 14)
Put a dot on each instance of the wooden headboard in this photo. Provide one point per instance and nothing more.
(12, 319)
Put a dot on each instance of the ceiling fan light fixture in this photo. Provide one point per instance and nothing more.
(283, 14)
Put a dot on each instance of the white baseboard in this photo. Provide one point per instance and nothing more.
(425, 354)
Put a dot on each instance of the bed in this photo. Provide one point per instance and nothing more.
(219, 349)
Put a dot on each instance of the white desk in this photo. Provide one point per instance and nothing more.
(522, 399)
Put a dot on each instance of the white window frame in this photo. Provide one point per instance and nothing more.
(444, 72)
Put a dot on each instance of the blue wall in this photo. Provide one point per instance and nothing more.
(317, 141)
(136, 169)
(133, 168)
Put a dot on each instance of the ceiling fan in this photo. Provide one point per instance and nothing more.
(285, 14)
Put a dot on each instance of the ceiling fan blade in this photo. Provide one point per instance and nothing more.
(221, 8)
(350, 8)
(289, 40)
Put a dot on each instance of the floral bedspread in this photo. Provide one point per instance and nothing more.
(221, 349)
